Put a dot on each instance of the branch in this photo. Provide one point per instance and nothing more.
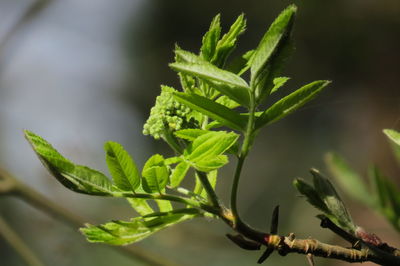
(9, 185)
(289, 244)
(18, 244)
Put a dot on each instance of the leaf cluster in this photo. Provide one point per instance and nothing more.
(213, 94)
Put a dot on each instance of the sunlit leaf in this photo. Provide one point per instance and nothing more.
(211, 144)
(290, 103)
(179, 173)
(123, 233)
(190, 133)
(210, 39)
(122, 167)
(278, 83)
(224, 81)
(155, 174)
(78, 178)
(227, 44)
(393, 135)
(212, 109)
(268, 55)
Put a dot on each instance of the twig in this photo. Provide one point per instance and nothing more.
(10, 185)
(288, 244)
(18, 244)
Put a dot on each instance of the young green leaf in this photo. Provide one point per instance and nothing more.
(224, 81)
(226, 101)
(78, 178)
(140, 206)
(350, 181)
(278, 83)
(190, 133)
(331, 198)
(240, 64)
(227, 44)
(272, 44)
(179, 173)
(123, 233)
(211, 144)
(155, 174)
(164, 205)
(90, 181)
(122, 168)
(210, 39)
(212, 109)
(393, 135)
(311, 195)
(210, 163)
(290, 103)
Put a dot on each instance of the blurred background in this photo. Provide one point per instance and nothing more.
(80, 73)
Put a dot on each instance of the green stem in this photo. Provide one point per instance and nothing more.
(248, 138)
(209, 189)
(186, 201)
(171, 141)
(202, 177)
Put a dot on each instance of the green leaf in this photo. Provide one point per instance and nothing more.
(179, 173)
(164, 205)
(225, 82)
(290, 103)
(212, 109)
(274, 41)
(227, 44)
(210, 163)
(311, 195)
(210, 39)
(140, 206)
(393, 135)
(155, 174)
(212, 178)
(123, 233)
(172, 160)
(349, 180)
(331, 198)
(211, 144)
(240, 64)
(190, 133)
(78, 178)
(226, 101)
(89, 181)
(278, 83)
(122, 167)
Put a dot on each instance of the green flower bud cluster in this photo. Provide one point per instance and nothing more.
(167, 115)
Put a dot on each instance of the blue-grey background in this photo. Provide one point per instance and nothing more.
(80, 73)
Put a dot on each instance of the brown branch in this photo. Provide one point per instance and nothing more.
(289, 244)
(18, 244)
(9, 185)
